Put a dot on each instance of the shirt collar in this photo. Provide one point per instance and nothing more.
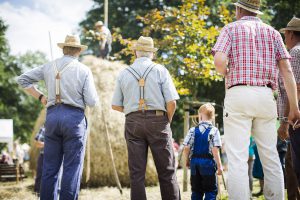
(70, 57)
(251, 18)
(142, 59)
(205, 123)
(296, 46)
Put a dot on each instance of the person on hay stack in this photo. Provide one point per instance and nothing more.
(292, 41)
(146, 94)
(254, 52)
(70, 87)
(103, 35)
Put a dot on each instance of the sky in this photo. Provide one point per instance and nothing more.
(30, 21)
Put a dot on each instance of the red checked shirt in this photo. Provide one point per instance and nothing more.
(253, 49)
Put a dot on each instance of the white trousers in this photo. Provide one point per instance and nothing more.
(251, 110)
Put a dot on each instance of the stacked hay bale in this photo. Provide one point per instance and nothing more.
(98, 168)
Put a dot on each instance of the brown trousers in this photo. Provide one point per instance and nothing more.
(143, 130)
(291, 179)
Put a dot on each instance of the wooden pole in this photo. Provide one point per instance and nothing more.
(88, 148)
(185, 129)
(106, 13)
(50, 42)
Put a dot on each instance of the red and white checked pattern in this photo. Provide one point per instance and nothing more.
(253, 49)
(282, 96)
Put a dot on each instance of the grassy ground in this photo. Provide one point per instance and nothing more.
(23, 191)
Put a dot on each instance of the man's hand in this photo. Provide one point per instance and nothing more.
(283, 131)
(294, 118)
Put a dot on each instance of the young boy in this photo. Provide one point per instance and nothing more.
(201, 151)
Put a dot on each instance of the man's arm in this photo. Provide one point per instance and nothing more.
(36, 94)
(291, 90)
(171, 107)
(118, 108)
(221, 61)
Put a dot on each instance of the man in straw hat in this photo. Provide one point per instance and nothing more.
(146, 94)
(70, 88)
(103, 35)
(292, 41)
(253, 52)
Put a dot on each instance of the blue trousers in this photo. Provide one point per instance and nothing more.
(65, 139)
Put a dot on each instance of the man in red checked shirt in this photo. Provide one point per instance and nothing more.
(249, 53)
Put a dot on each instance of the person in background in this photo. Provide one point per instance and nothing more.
(39, 142)
(201, 151)
(250, 163)
(103, 35)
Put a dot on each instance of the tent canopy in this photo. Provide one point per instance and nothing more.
(6, 132)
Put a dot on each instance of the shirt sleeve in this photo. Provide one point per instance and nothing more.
(31, 77)
(280, 50)
(295, 63)
(217, 138)
(189, 138)
(118, 97)
(90, 95)
(223, 43)
(168, 88)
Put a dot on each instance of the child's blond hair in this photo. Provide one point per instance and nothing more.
(207, 109)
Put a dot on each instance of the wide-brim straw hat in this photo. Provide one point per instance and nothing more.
(144, 44)
(72, 41)
(250, 5)
(99, 23)
(293, 25)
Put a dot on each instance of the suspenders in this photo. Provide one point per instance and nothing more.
(57, 80)
(141, 80)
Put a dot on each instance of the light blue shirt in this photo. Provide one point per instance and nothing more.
(77, 86)
(159, 87)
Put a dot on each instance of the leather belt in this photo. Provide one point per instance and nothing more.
(156, 112)
(242, 84)
(206, 155)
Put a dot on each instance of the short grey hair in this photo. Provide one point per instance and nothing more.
(147, 54)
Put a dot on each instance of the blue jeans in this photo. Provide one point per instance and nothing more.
(65, 139)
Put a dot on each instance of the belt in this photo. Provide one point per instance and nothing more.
(67, 105)
(204, 155)
(242, 84)
(156, 112)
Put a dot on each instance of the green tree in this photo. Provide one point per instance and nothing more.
(14, 103)
(282, 11)
(122, 18)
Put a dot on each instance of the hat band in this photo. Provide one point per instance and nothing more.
(293, 27)
(248, 5)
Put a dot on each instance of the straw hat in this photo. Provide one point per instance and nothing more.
(99, 23)
(144, 44)
(293, 25)
(250, 5)
(72, 41)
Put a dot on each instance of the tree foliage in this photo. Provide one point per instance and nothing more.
(122, 18)
(14, 103)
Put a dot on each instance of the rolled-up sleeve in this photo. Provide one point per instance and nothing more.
(118, 97)
(189, 138)
(31, 77)
(168, 88)
(223, 43)
(89, 91)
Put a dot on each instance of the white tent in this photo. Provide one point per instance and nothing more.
(6, 132)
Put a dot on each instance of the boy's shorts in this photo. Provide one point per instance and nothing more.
(203, 183)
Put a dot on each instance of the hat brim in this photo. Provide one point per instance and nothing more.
(143, 48)
(62, 45)
(249, 9)
(289, 29)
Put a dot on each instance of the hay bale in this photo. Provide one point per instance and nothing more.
(101, 173)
